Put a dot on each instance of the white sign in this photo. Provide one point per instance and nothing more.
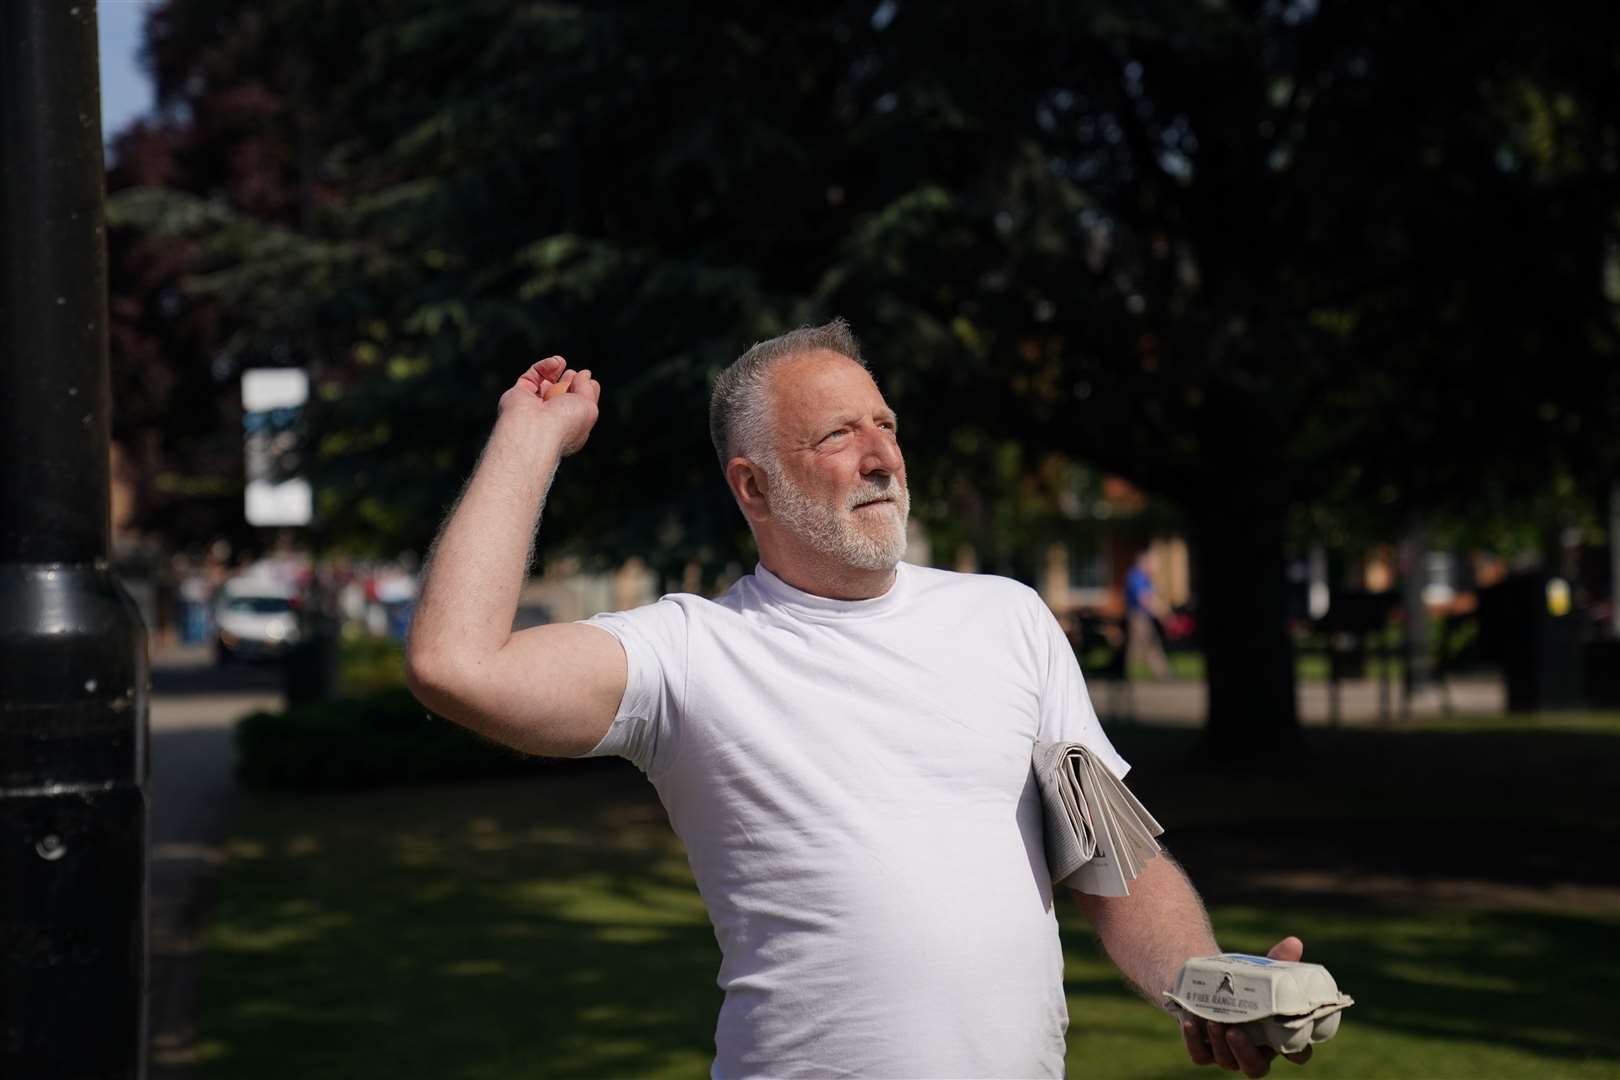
(272, 411)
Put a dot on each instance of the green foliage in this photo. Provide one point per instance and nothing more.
(380, 739)
(368, 664)
(1272, 263)
(1295, 285)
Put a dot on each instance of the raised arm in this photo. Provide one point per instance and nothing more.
(547, 690)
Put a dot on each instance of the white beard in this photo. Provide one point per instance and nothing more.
(870, 539)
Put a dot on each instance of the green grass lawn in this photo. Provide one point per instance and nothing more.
(367, 663)
(1189, 664)
(1381, 659)
(1460, 884)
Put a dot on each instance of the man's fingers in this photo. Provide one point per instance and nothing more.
(1253, 1060)
(560, 386)
(1230, 1047)
(1220, 1049)
(1289, 948)
(552, 377)
(1192, 1033)
(578, 382)
(538, 374)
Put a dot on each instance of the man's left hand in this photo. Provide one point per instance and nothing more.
(1227, 1045)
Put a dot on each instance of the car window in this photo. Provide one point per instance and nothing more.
(257, 605)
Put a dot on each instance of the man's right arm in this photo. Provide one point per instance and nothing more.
(547, 690)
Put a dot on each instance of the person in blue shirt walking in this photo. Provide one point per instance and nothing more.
(1145, 614)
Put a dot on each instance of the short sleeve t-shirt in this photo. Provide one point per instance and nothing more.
(852, 782)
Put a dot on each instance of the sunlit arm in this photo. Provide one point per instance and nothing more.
(548, 690)
(1153, 931)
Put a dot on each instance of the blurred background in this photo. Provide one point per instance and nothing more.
(1273, 343)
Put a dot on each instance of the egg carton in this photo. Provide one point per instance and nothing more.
(1283, 1004)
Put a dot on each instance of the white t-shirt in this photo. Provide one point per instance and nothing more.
(852, 782)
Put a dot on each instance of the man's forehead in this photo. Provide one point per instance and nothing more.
(817, 385)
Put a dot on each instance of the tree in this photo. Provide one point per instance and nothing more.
(226, 137)
(1255, 257)
(1252, 257)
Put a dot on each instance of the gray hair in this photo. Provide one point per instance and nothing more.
(739, 409)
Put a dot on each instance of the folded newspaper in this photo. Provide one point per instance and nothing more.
(1097, 834)
(1283, 1004)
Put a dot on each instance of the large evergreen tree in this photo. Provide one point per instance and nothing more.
(1253, 257)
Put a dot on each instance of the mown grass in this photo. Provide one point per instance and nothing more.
(367, 663)
(1459, 884)
(1309, 667)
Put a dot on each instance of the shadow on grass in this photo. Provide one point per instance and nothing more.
(173, 679)
(545, 929)
(1463, 885)
(1535, 983)
(549, 927)
(1382, 775)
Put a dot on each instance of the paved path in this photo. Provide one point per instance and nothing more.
(1181, 702)
(193, 710)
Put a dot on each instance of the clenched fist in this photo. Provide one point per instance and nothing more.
(555, 394)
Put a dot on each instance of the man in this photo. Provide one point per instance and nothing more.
(842, 740)
(1145, 614)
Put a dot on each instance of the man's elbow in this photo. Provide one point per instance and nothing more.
(430, 675)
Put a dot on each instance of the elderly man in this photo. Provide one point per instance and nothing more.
(842, 740)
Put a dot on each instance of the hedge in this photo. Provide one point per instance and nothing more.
(378, 739)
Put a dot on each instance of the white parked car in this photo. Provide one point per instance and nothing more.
(254, 618)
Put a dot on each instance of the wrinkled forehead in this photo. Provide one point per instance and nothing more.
(817, 388)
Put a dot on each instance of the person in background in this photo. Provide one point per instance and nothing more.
(196, 596)
(1146, 616)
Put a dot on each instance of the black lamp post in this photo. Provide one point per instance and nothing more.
(73, 668)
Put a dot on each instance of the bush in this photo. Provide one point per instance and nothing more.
(368, 664)
(378, 739)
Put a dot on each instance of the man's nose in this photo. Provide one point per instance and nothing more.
(880, 452)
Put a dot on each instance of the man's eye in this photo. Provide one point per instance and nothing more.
(832, 434)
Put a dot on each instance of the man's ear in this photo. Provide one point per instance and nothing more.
(749, 487)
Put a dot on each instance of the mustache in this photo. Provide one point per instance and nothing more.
(870, 490)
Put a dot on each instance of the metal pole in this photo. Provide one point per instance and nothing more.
(1614, 559)
(73, 669)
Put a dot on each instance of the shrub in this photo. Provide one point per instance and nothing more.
(378, 739)
(368, 664)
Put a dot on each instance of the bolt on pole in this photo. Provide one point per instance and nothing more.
(73, 667)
